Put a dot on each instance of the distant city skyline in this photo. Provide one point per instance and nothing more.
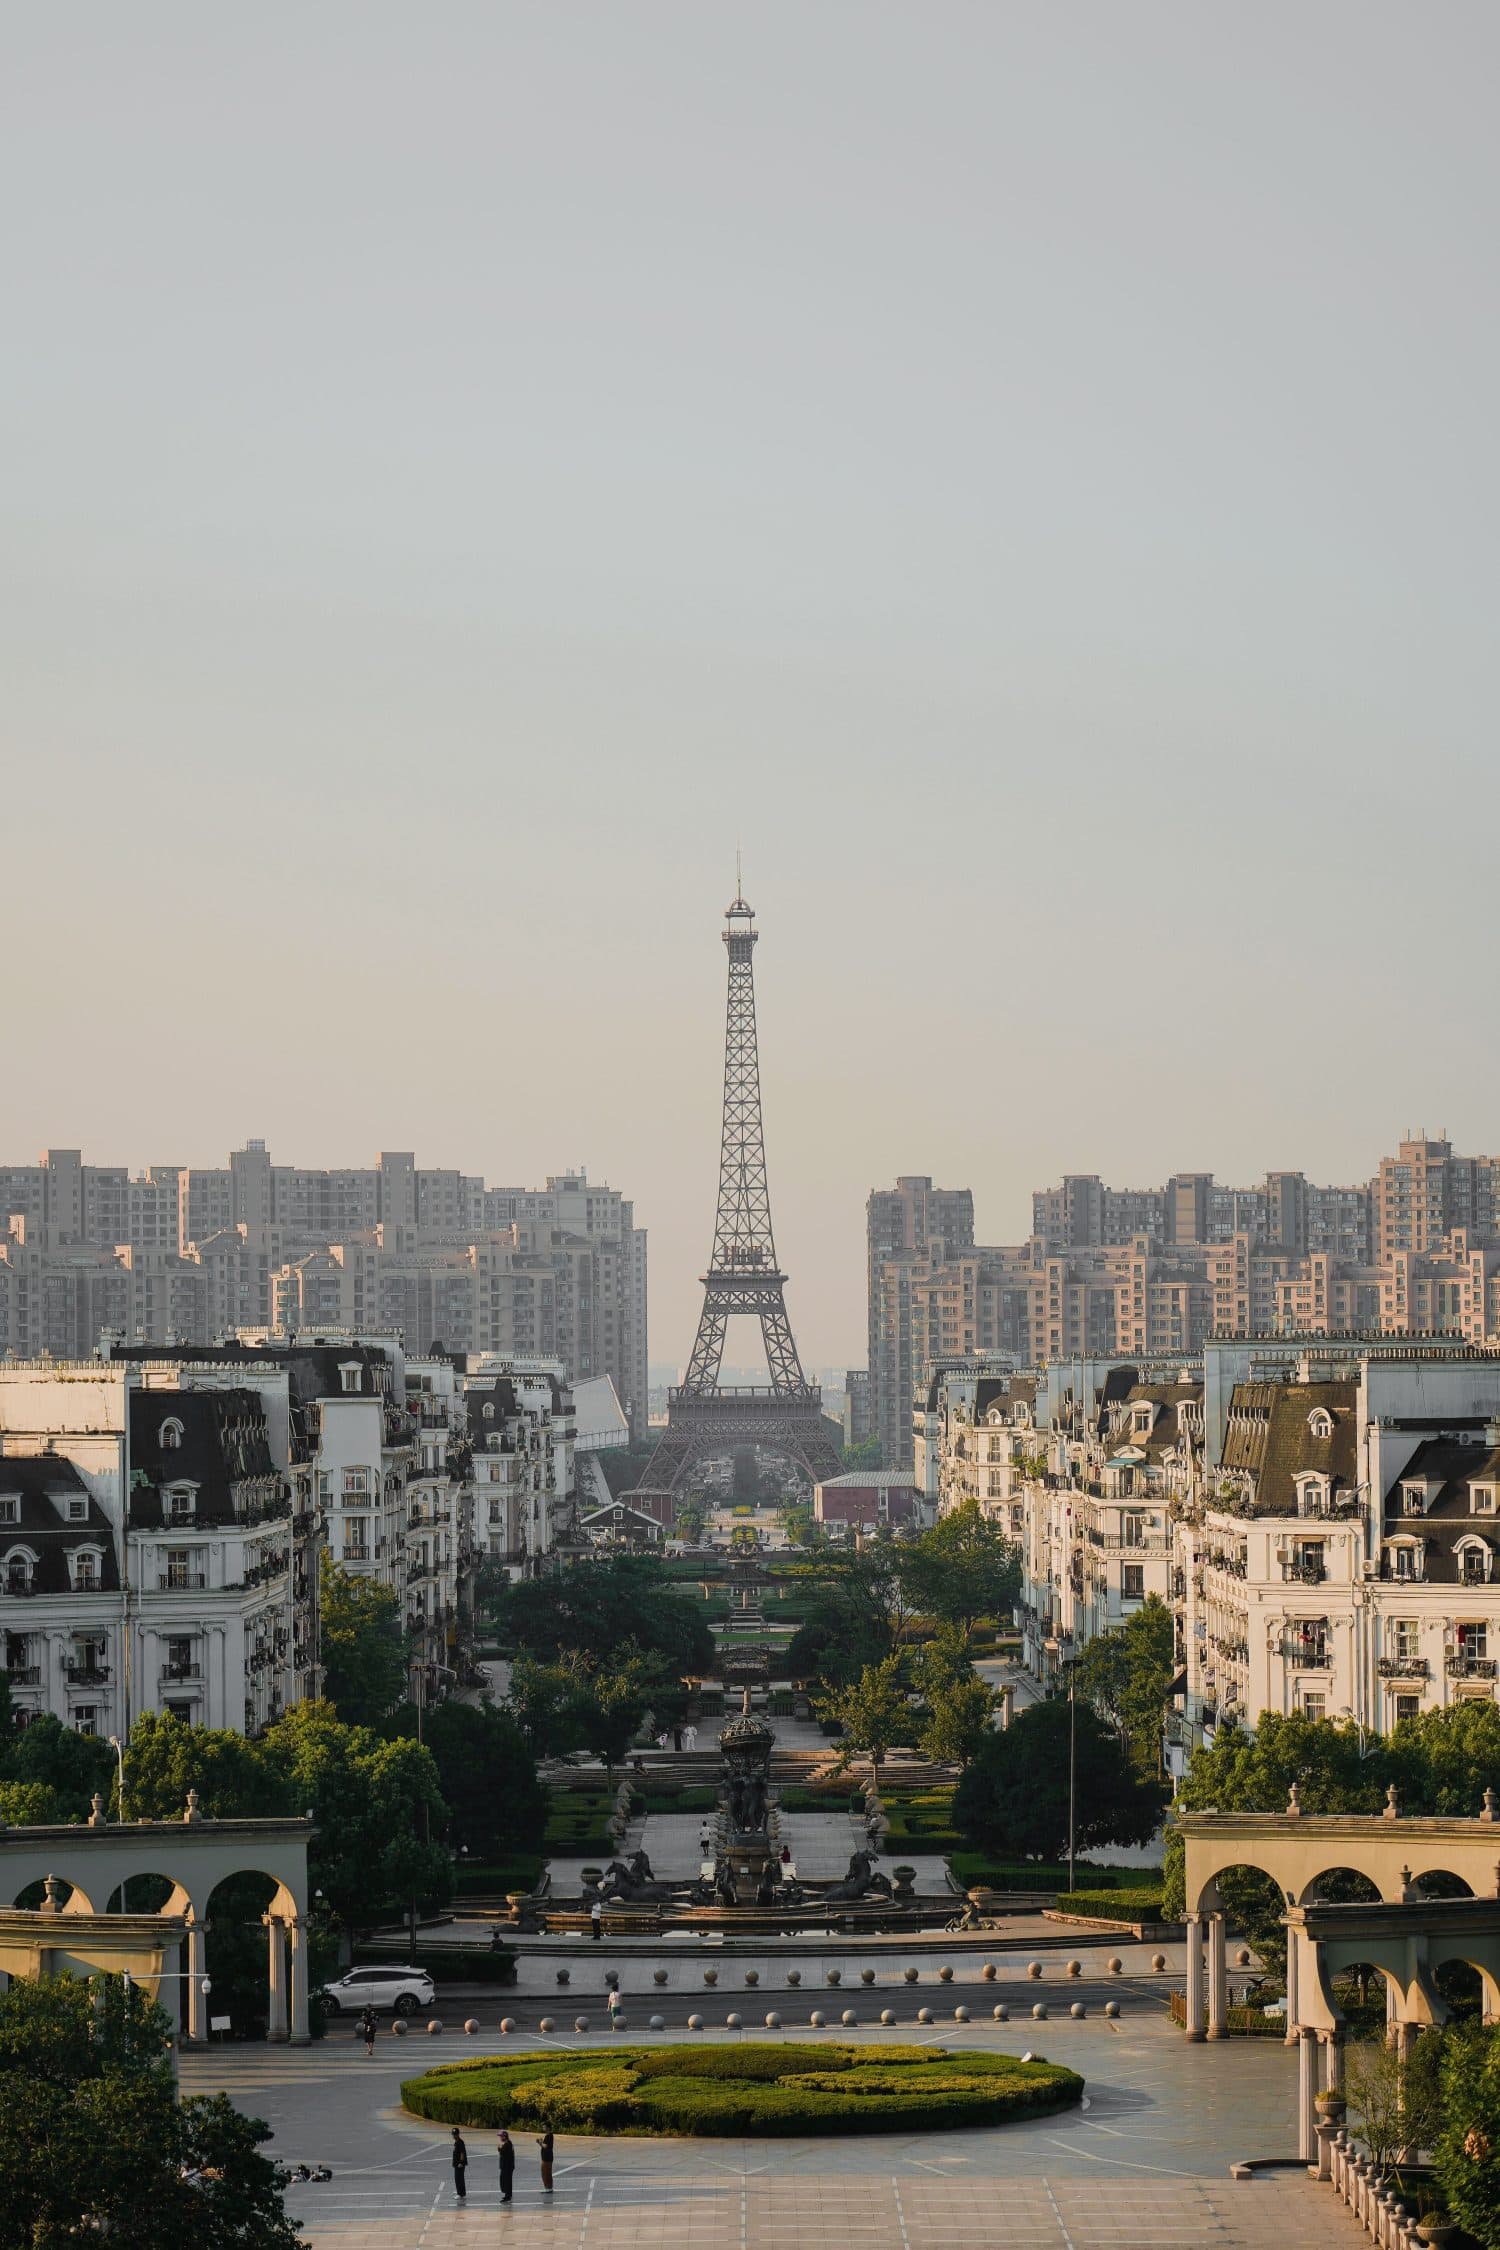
(1028, 475)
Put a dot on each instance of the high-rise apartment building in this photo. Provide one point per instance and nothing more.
(906, 1227)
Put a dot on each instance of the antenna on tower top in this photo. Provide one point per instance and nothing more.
(739, 880)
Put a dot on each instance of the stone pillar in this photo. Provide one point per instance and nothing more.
(1218, 1979)
(1307, 2089)
(1293, 1943)
(1333, 2062)
(276, 1976)
(297, 1936)
(197, 1970)
(1196, 2018)
(1007, 1707)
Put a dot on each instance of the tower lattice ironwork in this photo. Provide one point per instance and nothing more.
(704, 1417)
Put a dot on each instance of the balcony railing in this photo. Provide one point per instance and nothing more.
(1307, 1570)
(191, 1670)
(182, 1581)
(1461, 1667)
(86, 1675)
(1308, 1656)
(24, 1675)
(1403, 1667)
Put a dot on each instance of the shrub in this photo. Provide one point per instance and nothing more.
(493, 1881)
(756, 2088)
(1114, 1906)
(455, 1964)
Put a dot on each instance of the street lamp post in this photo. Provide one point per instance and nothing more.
(118, 1748)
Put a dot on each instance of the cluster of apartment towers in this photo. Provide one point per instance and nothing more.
(1277, 1410)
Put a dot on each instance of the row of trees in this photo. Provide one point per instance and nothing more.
(869, 1601)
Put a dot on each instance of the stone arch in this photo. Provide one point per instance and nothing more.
(1341, 1885)
(1439, 1882)
(148, 1890)
(67, 1897)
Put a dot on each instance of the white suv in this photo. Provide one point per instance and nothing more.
(405, 1990)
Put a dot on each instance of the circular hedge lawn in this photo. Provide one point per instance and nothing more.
(756, 2088)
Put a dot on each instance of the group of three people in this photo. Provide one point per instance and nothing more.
(505, 2149)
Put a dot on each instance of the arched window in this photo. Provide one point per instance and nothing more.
(1474, 1560)
(17, 1567)
(170, 1435)
(1320, 1423)
(86, 1562)
(489, 1410)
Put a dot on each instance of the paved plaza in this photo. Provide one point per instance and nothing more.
(1144, 2163)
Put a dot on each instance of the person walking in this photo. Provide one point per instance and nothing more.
(613, 2004)
(545, 2145)
(596, 1920)
(367, 2029)
(460, 2166)
(506, 2150)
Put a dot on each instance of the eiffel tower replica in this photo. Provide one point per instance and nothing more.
(704, 1418)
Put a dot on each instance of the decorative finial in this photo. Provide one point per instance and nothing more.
(1406, 1890)
(51, 1903)
(192, 1812)
(1489, 1805)
(1392, 1804)
(1292, 1804)
(745, 1701)
(96, 1810)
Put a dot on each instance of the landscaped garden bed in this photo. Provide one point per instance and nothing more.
(757, 2088)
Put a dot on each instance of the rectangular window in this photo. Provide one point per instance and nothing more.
(180, 1506)
(1134, 1586)
(10, 1511)
(357, 1539)
(1408, 1706)
(78, 1511)
(1314, 1706)
(356, 1484)
(1406, 1637)
(1473, 1639)
(86, 1573)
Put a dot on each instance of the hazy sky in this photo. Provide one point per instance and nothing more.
(1030, 472)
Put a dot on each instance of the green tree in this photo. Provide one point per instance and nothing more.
(865, 1455)
(93, 2137)
(73, 1766)
(165, 1758)
(1013, 1797)
(28, 1804)
(1466, 2156)
(1126, 1674)
(486, 1773)
(960, 1720)
(873, 1712)
(543, 1700)
(1395, 2102)
(963, 1569)
(598, 1605)
(369, 1799)
(364, 1660)
(1442, 1762)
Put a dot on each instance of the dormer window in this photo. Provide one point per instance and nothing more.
(1320, 1423)
(1404, 1558)
(349, 1375)
(86, 1571)
(1481, 1499)
(179, 1503)
(78, 1511)
(489, 1410)
(18, 1566)
(169, 1436)
(1474, 1562)
(1312, 1496)
(1413, 1499)
(1141, 1421)
(10, 1511)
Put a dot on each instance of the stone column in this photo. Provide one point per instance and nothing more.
(197, 1970)
(276, 1976)
(1218, 1979)
(1307, 2089)
(1333, 2062)
(297, 1936)
(1196, 2023)
(1293, 1943)
(1007, 1707)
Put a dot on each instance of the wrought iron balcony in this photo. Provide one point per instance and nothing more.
(1403, 1667)
(24, 1675)
(1461, 1667)
(1308, 1656)
(182, 1581)
(86, 1675)
(1308, 1570)
(191, 1670)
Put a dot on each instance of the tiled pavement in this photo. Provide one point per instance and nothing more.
(1146, 2162)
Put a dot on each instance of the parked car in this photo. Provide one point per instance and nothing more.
(405, 1990)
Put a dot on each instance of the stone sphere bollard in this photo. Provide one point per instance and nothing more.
(960, 2015)
(773, 2021)
(1075, 1969)
(1039, 2011)
(817, 2019)
(658, 2023)
(834, 1976)
(1158, 1962)
(618, 2023)
(611, 1980)
(887, 2015)
(710, 1976)
(545, 2024)
(911, 1975)
(752, 1977)
(471, 2025)
(1115, 1965)
(507, 2026)
(945, 1976)
(658, 1976)
(1111, 2007)
(734, 2023)
(580, 2023)
(695, 2023)
(565, 1976)
(398, 2027)
(794, 1976)
(435, 2025)
(988, 1972)
(867, 1976)
(1078, 2009)
(1033, 1968)
(1000, 2012)
(924, 2015)
(849, 2017)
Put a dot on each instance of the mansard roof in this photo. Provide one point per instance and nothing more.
(221, 1442)
(42, 1484)
(1270, 1434)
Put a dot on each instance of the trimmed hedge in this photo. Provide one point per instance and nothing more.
(455, 1964)
(756, 2088)
(494, 1879)
(974, 1869)
(1115, 1906)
